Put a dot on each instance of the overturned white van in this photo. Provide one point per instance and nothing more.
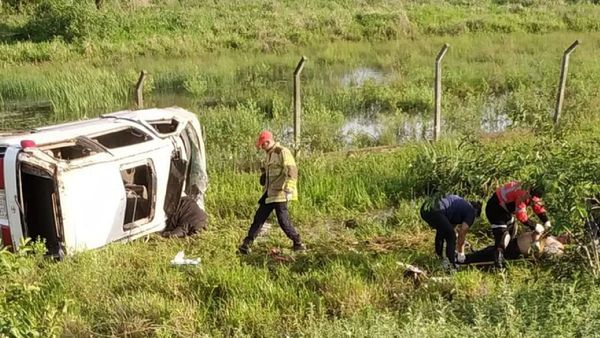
(85, 184)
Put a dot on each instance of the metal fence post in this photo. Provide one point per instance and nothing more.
(297, 104)
(563, 79)
(139, 90)
(437, 92)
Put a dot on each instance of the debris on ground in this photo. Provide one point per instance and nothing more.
(278, 256)
(419, 276)
(180, 259)
(351, 224)
(416, 274)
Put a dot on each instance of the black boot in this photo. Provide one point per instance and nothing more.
(299, 247)
(244, 249)
(499, 259)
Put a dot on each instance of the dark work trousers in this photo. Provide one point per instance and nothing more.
(497, 215)
(444, 232)
(487, 254)
(283, 217)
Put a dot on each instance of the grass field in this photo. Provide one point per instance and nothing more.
(369, 62)
(349, 282)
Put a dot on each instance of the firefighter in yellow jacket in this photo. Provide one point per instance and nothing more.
(279, 177)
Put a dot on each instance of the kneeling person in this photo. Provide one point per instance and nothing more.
(187, 219)
(511, 199)
(442, 216)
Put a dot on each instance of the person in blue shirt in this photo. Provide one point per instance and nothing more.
(442, 215)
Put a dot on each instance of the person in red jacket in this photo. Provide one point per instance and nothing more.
(511, 199)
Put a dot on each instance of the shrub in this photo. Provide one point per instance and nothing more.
(67, 19)
(26, 310)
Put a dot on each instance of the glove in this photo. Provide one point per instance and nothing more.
(536, 247)
(547, 225)
(539, 228)
(288, 196)
(460, 257)
(446, 265)
(263, 179)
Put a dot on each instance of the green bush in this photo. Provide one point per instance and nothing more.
(27, 307)
(321, 128)
(69, 20)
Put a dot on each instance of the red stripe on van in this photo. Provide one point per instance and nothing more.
(1, 173)
(6, 236)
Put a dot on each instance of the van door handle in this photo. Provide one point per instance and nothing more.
(18, 205)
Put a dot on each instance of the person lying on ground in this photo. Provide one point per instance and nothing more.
(442, 215)
(188, 219)
(521, 247)
(511, 199)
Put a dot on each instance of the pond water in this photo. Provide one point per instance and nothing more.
(494, 118)
(359, 76)
(370, 123)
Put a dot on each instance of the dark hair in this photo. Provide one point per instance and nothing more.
(477, 206)
(537, 191)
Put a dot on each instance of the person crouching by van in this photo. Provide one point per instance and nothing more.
(188, 219)
(279, 178)
(442, 215)
(514, 198)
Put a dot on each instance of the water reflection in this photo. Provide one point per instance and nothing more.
(494, 115)
(19, 116)
(360, 75)
(358, 126)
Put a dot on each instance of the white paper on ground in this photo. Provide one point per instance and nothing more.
(180, 259)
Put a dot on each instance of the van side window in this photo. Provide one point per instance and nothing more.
(70, 150)
(139, 193)
(122, 138)
(165, 126)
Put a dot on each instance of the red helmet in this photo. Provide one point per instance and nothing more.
(263, 137)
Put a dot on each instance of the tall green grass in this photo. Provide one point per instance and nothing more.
(349, 282)
(219, 61)
(184, 28)
(337, 184)
(514, 75)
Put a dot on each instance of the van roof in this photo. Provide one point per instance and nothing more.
(106, 122)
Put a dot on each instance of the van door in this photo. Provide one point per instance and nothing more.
(11, 213)
(188, 162)
(31, 198)
(177, 174)
(197, 178)
(93, 202)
